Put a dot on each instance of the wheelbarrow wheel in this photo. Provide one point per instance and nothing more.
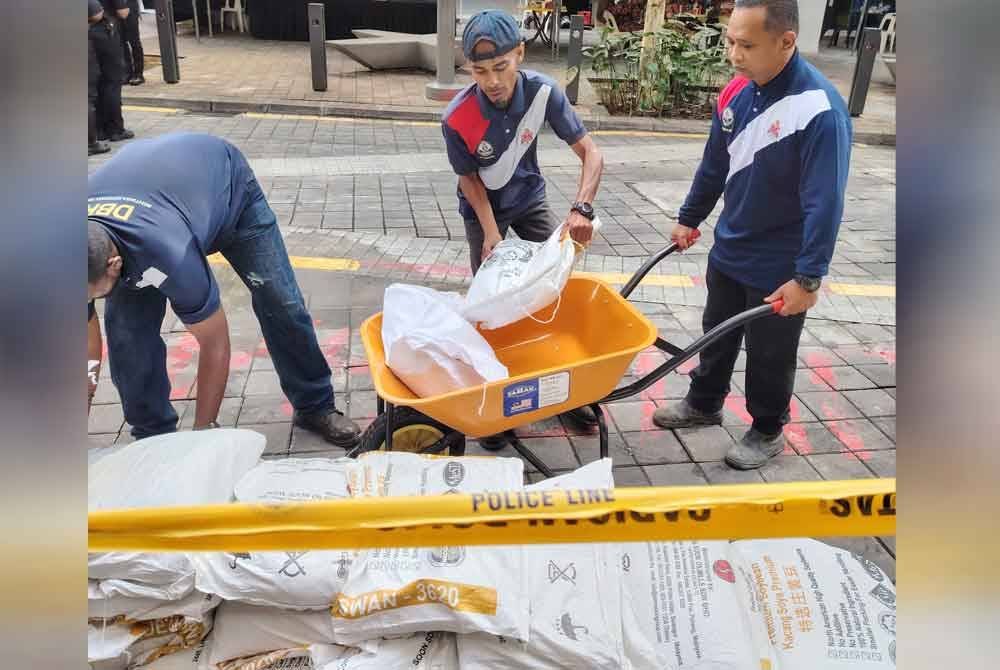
(412, 432)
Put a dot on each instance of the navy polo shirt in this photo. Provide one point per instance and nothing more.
(781, 153)
(501, 144)
(167, 203)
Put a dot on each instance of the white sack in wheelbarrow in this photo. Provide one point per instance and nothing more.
(520, 278)
(428, 344)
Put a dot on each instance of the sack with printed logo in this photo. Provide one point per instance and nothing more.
(294, 480)
(821, 607)
(520, 278)
(428, 344)
(685, 605)
(421, 651)
(391, 592)
(574, 600)
(397, 473)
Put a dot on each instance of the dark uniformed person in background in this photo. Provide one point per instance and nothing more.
(106, 38)
(132, 45)
(95, 13)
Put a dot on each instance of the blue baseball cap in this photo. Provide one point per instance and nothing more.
(493, 26)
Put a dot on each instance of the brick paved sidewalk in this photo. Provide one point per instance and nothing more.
(233, 72)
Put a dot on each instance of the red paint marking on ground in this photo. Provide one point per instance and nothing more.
(240, 360)
(863, 455)
(827, 375)
(886, 353)
(794, 411)
(738, 406)
(261, 350)
(648, 408)
(797, 436)
(286, 408)
(847, 436)
(687, 366)
(697, 281)
(333, 344)
(817, 359)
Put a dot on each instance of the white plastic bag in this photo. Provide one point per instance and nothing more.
(520, 278)
(428, 344)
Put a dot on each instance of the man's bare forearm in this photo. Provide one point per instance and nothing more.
(213, 374)
(591, 171)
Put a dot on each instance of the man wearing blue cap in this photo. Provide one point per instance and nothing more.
(490, 129)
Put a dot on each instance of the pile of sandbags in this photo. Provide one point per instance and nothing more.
(143, 606)
(783, 604)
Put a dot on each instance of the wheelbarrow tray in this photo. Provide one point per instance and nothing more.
(575, 360)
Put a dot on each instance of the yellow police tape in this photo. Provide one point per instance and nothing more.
(800, 509)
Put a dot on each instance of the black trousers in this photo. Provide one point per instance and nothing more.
(772, 344)
(131, 44)
(106, 39)
(93, 77)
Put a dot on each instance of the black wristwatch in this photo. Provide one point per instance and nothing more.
(810, 284)
(584, 209)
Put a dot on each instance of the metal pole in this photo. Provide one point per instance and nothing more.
(861, 26)
(574, 58)
(317, 44)
(557, 19)
(166, 31)
(444, 86)
(870, 42)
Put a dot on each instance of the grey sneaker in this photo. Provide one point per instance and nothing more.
(754, 450)
(683, 415)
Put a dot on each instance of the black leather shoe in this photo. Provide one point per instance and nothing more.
(683, 415)
(136, 81)
(582, 416)
(331, 425)
(122, 135)
(98, 148)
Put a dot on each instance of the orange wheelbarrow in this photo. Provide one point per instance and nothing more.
(574, 361)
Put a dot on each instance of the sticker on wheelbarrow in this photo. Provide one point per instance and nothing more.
(532, 394)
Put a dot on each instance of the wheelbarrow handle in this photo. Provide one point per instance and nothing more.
(696, 347)
(653, 261)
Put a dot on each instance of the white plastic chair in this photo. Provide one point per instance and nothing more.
(233, 7)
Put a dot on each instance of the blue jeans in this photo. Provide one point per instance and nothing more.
(255, 250)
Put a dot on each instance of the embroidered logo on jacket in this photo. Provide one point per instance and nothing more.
(484, 150)
(727, 119)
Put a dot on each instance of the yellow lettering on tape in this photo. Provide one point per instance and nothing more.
(746, 511)
(455, 596)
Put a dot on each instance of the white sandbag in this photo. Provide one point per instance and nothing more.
(429, 346)
(295, 479)
(243, 630)
(422, 651)
(180, 588)
(185, 468)
(195, 658)
(823, 608)
(137, 643)
(281, 659)
(289, 579)
(574, 598)
(100, 605)
(452, 589)
(520, 278)
(595, 475)
(172, 571)
(396, 473)
(685, 605)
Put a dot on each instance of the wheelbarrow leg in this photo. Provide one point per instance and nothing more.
(527, 454)
(602, 428)
(379, 405)
(457, 446)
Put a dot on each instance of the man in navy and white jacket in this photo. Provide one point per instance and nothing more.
(779, 149)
